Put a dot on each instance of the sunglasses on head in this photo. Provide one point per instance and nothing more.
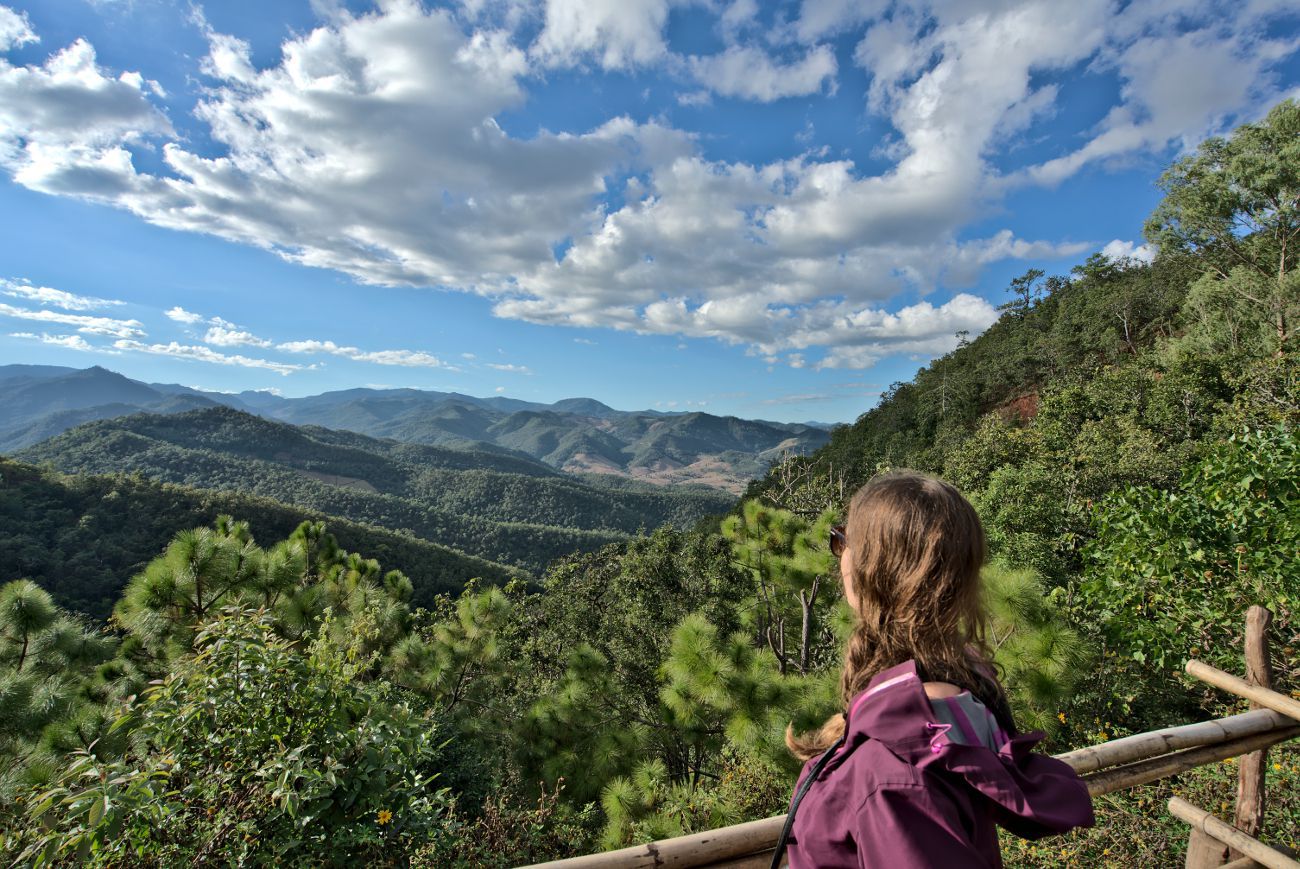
(838, 540)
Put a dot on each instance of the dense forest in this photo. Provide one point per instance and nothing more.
(504, 508)
(82, 537)
(1127, 432)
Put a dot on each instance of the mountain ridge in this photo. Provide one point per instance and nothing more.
(506, 508)
(572, 435)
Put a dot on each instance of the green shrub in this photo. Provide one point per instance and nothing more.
(507, 831)
(252, 751)
(1171, 573)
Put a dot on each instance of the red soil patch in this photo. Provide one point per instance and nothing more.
(1022, 409)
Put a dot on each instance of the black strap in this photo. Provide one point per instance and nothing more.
(799, 795)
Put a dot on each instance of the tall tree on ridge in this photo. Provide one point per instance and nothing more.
(1237, 202)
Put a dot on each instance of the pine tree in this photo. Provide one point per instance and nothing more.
(722, 698)
(51, 700)
(789, 559)
(201, 570)
(1041, 657)
(575, 732)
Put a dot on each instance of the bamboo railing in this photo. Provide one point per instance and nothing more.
(1213, 841)
(1112, 766)
(1255, 851)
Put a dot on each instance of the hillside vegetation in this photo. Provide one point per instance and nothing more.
(503, 508)
(82, 537)
(578, 435)
(1127, 431)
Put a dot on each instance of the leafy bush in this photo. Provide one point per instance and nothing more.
(1171, 572)
(509, 832)
(254, 750)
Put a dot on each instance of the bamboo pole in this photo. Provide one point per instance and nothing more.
(1249, 817)
(750, 839)
(1147, 771)
(1247, 863)
(761, 860)
(1235, 685)
(697, 849)
(1230, 835)
(1157, 742)
(1243, 863)
(1204, 851)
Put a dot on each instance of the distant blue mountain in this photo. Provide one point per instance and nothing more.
(579, 435)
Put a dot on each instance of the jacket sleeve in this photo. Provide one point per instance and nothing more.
(905, 827)
(1053, 799)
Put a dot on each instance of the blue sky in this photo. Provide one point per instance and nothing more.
(770, 210)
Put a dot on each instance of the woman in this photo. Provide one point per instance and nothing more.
(926, 762)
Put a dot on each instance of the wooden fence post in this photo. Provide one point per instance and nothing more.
(1203, 851)
(1223, 831)
(1250, 781)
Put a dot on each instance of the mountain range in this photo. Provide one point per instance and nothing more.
(504, 507)
(575, 435)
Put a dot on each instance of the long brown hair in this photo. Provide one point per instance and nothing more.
(918, 547)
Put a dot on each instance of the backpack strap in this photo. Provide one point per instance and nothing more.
(799, 795)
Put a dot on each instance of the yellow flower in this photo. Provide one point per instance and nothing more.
(1061, 715)
(384, 816)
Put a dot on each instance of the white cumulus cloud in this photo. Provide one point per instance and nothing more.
(68, 342)
(180, 315)
(1127, 250)
(223, 333)
(749, 72)
(58, 298)
(408, 358)
(1178, 87)
(200, 353)
(65, 125)
(15, 30)
(616, 33)
(370, 146)
(86, 324)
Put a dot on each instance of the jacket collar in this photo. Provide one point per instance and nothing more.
(895, 711)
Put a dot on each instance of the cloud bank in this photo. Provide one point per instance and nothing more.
(372, 147)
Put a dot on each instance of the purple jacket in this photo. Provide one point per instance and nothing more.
(911, 788)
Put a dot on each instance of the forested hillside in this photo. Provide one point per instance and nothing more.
(502, 508)
(579, 435)
(82, 537)
(40, 401)
(1127, 432)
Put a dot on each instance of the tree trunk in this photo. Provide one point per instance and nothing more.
(777, 643)
(806, 601)
(1250, 778)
